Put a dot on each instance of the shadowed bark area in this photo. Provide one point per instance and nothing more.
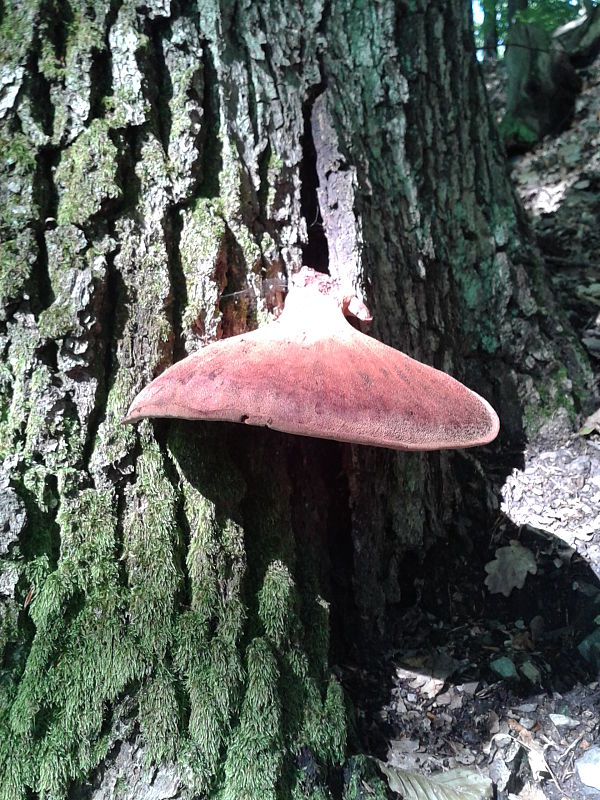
(169, 592)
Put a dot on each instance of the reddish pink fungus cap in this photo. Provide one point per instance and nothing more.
(312, 373)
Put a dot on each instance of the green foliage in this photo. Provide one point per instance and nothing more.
(516, 132)
(549, 14)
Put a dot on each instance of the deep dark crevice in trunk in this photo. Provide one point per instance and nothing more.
(46, 198)
(59, 17)
(37, 87)
(209, 141)
(100, 83)
(315, 253)
(172, 227)
(264, 160)
(160, 87)
(237, 313)
(112, 314)
(111, 325)
(252, 101)
(126, 142)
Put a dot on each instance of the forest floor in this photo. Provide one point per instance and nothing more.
(495, 667)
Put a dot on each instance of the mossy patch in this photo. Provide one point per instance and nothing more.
(362, 780)
(17, 171)
(551, 394)
(202, 252)
(16, 30)
(80, 657)
(255, 754)
(277, 603)
(56, 322)
(86, 177)
(150, 535)
(16, 258)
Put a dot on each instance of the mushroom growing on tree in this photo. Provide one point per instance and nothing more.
(312, 373)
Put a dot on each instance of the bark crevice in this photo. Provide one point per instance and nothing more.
(315, 252)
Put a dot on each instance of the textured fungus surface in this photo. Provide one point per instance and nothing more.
(312, 373)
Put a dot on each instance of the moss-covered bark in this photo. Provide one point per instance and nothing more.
(166, 591)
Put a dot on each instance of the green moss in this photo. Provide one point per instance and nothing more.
(69, 260)
(202, 246)
(121, 787)
(17, 170)
(555, 392)
(152, 169)
(300, 791)
(232, 182)
(315, 614)
(9, 616)
(56, 321)
(207, 654)
(314, 714)
(85, 31)
(159, 716)
(19, 156)
(15, 269)
(86, 177)
(80, 658)
(150, 536)
(477, 288)
(362, 781)
(126, 107)
(255, 753)
(63, 52)
(16, 30)
(277, 603)
(15, 387)
(214, 681)
(115, 440)
(233, 708)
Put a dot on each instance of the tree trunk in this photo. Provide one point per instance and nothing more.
(176, 593)
(489, 30)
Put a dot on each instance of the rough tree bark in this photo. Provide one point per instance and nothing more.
(169, 591)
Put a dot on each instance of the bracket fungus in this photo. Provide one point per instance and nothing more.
(312, 373)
